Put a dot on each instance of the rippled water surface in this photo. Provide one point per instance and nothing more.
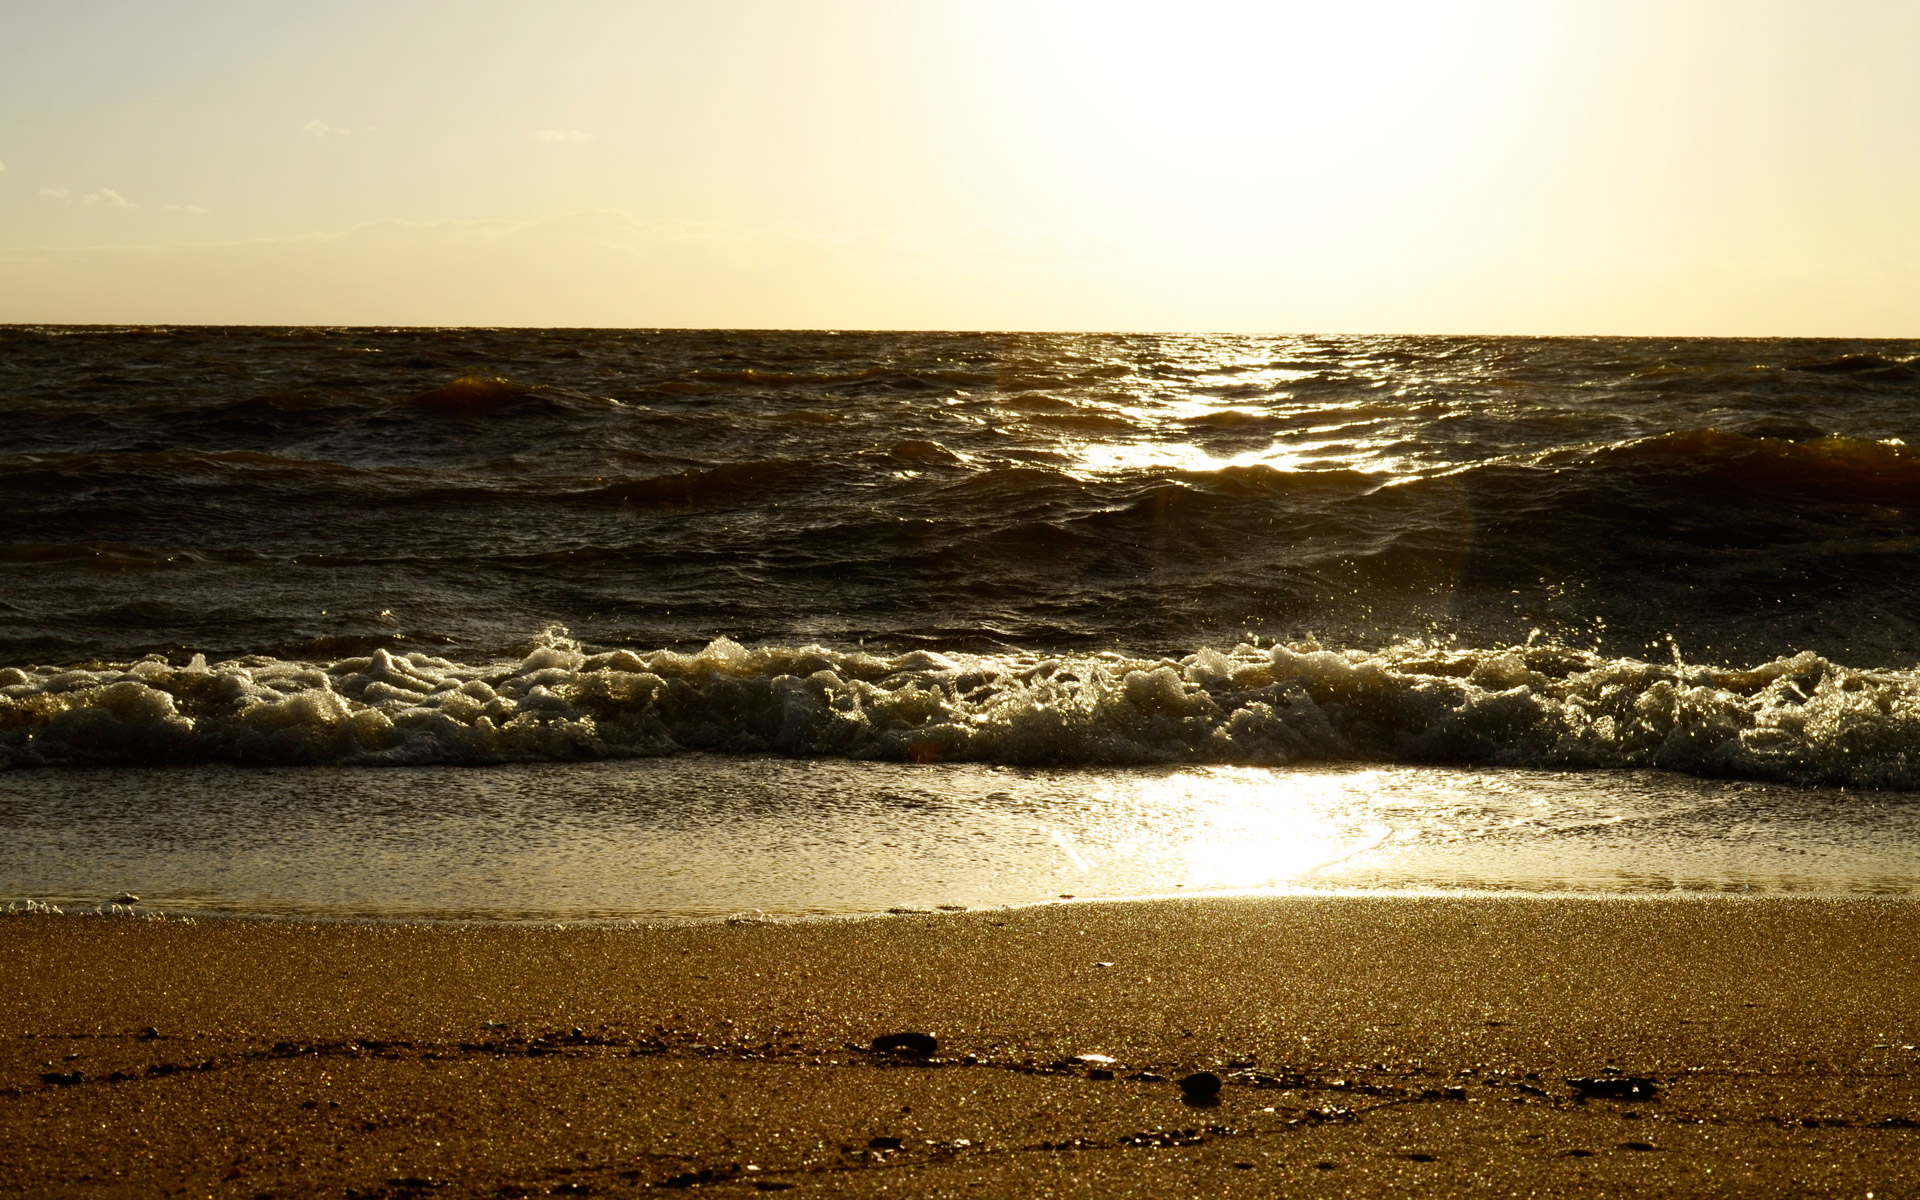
(307, 493)
(549, 555)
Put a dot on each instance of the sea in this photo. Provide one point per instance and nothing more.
(607, 625)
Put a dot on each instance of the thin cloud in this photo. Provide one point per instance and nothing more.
(57, 195)
(559, 136)
(185, 208)
(107, 198)
(318, 128)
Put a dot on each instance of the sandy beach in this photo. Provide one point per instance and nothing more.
(1366, 1046)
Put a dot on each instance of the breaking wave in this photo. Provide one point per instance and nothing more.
(1798, 719)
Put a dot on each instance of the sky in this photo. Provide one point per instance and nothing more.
(1686, 167)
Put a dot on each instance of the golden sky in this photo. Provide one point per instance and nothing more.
(1490, 166)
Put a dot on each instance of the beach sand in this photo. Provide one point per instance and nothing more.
(1369, 1046)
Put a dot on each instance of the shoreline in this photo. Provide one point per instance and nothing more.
(141, 912)
(1410, 1043)
(714, 836)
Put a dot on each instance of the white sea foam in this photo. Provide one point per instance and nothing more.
(1800, 718)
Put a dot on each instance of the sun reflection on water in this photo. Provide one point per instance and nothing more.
(1369, 456)
(1228, 827)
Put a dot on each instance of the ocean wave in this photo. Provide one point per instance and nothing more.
(1799, 719)
(1821, 469)
(480, 395)
(727, 481)
(103, 556)
(1873, 365)
(870, 379)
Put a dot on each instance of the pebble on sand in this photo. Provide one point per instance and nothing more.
(913, 1045)
(1201, 1085)
(1616, 1087)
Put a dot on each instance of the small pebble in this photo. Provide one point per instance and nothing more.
(1201, 1085)
(915, 1045)
(126, 898)
(1616, 1087)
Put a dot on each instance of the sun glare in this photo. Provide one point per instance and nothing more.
(1594, 166)
(1167, 115)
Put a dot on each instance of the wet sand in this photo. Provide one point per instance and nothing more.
(1369, 1046)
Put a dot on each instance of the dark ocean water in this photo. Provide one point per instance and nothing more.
(310, 546)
